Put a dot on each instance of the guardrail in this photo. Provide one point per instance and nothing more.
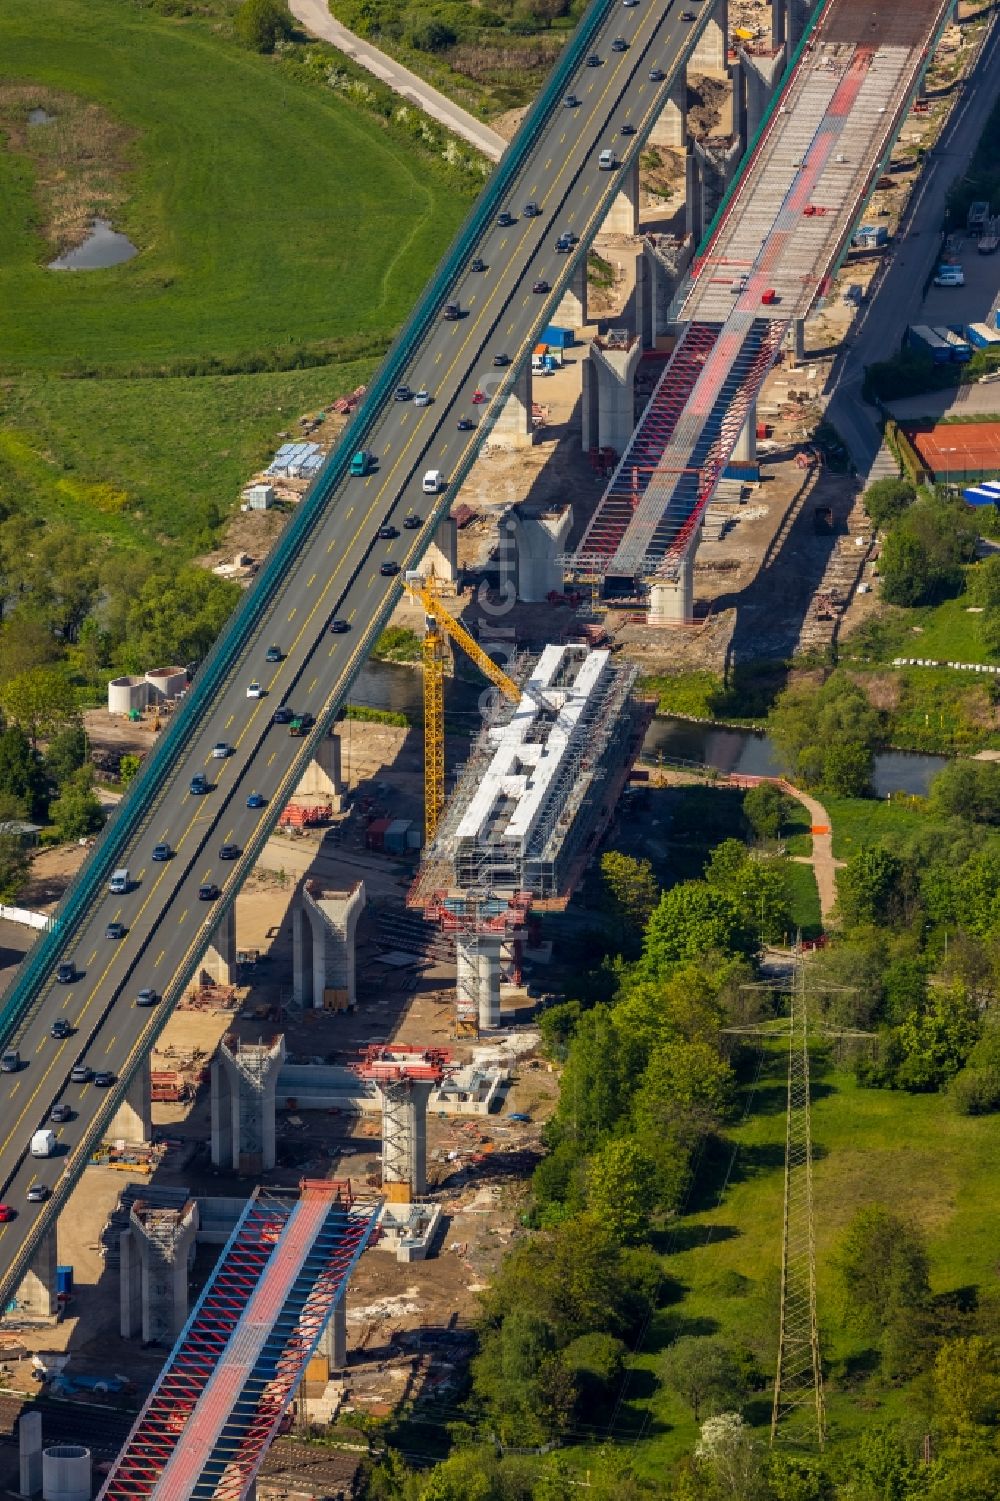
(221, 660)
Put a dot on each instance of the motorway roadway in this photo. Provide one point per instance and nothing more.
(335, 575)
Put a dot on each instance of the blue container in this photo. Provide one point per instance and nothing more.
(64, 1281)
(559, 338)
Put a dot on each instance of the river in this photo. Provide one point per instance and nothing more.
(384, 685)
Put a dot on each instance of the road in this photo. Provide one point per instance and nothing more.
(315, 17)
(896, 304)
(335, 574)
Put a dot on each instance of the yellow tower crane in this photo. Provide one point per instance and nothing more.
(439, 623)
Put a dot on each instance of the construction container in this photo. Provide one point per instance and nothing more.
(558, 338)
(64, 1281)
(961, 349)
(375, 833)
(395, 836)
(925, 341)
(869, 236)
(981, 336)
(769, 297)
(260, 497)
(414, 838)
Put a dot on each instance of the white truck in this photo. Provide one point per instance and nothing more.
(43, 1143)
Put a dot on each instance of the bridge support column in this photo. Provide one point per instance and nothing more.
(623, 215)
(538, 540)
(477, 965)
(711, 167)
(335, 1335)
(440, 561)
(133, 1120)
(709, 56)
(514, 426)
(671, 601)
(37, 1295)
(404, 1138)
(670, 128)
(322, 780)
(220, 956)
(789, 19)
(157, 1250)
(614, 376)
(244, 1079)
(29, 1439)
(572, 310)
(745, 451)
(324, 927)
(797, 340)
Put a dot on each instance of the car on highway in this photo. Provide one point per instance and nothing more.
(60, 1114)
(283, 715)
(541, 286)
(432, 482)
(104, 1078)
(147, 996)
(656, 75)
(571, 102)
(531, 210)
(362, 463)
(505, 220)
(687, 15)
(628, 129)
(254, 690)
(221, 749)
(162, 851)
(81, 1073)
(387, 570)
(452, 312)
(500, 360)
(299, 724)
(198, 784)
(411, 521)
(402, 393)
(619, 44)
(339, 627)
(10, 1062)
(607, 161)
(37, 1193)
(66, 973)
(273, 654)
(593, 61)
(388, 533)
(229, 852)
(466, 424)
(6, 1214)
(478, 397)
(60, 1028)
(115, 931)
(630, 4)
(256, 800)
(208, 891)
(423, 398)
(478, 264)
(563, 246)
(569, 237)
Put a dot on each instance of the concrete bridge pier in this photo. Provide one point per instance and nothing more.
(334, 1344)
(572, 310)
(324, 928)
(539, 536)
(220, 956)
(709, 56)
(514, 426)
(244, 1080)
(156, 1252)
(609, 396)
(322, 780)
(133, 1120)
(37, 1295)
(745, 451)
(760, 76)
(670, 128)
(623, 215)
(671, 601)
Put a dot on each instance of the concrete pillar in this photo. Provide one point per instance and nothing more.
(623, 215)
(514, 426)
(163, 1244)
(539, 537)
(709, 56)
(440, 561)
(666, 263)
(713, 165)
(129, 1286)
(404, 1138)
(614, 370)
(220, 956)
(745, 451)
(490, 945)
(324, 929)
(572, 309)
(37, 1294)
(29, 1439)
(670, 127)
(760, 79)
(789, 19)
(334, 1344)
(589, 420)
(797, 340)
(133, 1120)
(321, 779)
(244, 1078)
(671, 601)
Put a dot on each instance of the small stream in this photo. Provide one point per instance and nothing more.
(384, 685)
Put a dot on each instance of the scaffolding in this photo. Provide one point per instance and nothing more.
(404, 1077)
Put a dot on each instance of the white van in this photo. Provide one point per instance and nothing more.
(43, 1143)
(433, 482)
(607, 161)
(118, 885)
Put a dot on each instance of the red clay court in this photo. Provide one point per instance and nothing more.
(958, 450)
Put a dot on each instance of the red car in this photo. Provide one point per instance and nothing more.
(6, 1213)
(478, 398)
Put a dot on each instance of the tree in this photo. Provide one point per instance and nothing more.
(880, 1468)
(691, 921)
(765, 807)
(730, 1456)
(622, 1190)
(128, 769)
(630, 893)
(594, 1364)
(967, 1386)
(968, 789)
(14, 866)
(433, 36)
(923, 554)
(77, 811)
(935, 1041)
(887, 499)
(870, 888)
(984, 583)
(261, 24)
(66, 753)
(882, 1265)
(975, 1090)
(757, 886)
(175, 618)
(595, 1089)
(41, 701)
(827, 735)
(705, 1373)
(22, 777)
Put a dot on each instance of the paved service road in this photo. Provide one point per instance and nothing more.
(336, 574)
(315, 16)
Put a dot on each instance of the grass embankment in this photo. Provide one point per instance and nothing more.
(911, 1152)
(280, 226)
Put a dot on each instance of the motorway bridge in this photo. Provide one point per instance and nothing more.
(329, 564)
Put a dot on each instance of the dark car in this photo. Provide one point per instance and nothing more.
(229, 852)
(619, 44)
(593, 61)
(273, 654)
(687, 15)
(66, 974)
(339, 627)
(198, 785)
(531, 210)
(411, 521)
(256, 800)
(300, 723)
(628, 129)
(466, 425)
(388, 533)
(505, 220)
(541, 286)
(571, 101)
(59, 1114)
(569, 237)
(388, 569)
(104, 1078)
(81, 1073)
(656, 75)
(563, 247)
(402, 393)
(284, 715)
(147, 997)
(37, 1193)
(115, 931)
(478, 264)
(452, 312)
(207, 891)
(60, 1029)
(500, 360)
(162, 851)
